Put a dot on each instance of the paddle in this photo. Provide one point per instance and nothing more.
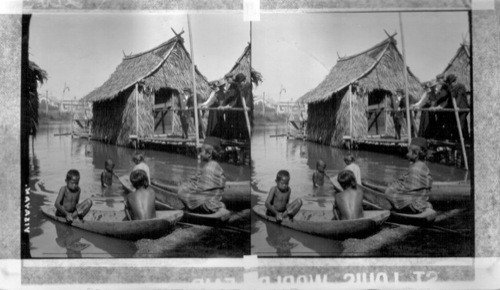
(398, 224)
(125, 182)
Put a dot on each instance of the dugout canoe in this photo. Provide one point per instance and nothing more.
(115, 223)
(373, 199)
(320, 221)
(441, 191)
(236, 194)
(223, 218)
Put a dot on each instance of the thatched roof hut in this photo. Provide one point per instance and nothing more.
(459, 65)
(155, 77)
(372, 75)
(35, 75)
(243, 65)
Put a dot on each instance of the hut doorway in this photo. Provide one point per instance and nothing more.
(378, 114)
(163, 111)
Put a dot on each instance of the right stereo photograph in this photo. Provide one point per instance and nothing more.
(362, 143)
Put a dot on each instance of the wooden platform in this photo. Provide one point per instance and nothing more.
(445, 152)
(233, 151)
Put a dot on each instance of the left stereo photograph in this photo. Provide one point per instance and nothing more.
(136, 135)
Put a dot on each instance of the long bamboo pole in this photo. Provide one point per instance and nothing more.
(405, 70)
(350, 112)
(194, 84)
(136, 92)
(459, 126)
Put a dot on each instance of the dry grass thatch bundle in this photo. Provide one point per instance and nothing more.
(460, 66)
(243, 65)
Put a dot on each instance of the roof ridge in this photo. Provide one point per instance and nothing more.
(384, 42)
(175, 38)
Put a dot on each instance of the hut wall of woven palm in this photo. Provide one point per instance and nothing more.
(165, 66)
(114, 120)
(459, 65)
(329, 122)
(380, 67)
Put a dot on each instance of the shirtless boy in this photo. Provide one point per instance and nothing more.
(277, 201)
(140, 204)
(349, 202)
(67, 200)
(107, 174)
(318, 177)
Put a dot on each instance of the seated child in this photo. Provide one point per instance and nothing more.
(349, 202)
(203, 193)
(140, 204)
(349, 161)
(318, 177)
(277, 201)
(138, 159)
(107, 174)
(69, 195)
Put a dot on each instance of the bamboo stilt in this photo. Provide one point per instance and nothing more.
(405, 71)
(459, 126)
(246, 116)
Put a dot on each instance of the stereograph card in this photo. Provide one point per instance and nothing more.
(328, 66)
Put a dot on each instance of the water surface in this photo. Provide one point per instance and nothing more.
(52, 156)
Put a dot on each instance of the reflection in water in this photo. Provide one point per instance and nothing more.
(69, 238)
(270, 154)
(278, 238)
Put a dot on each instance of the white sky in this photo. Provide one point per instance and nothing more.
(83, 50)
(298, 50)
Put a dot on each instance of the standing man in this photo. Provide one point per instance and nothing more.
(459, 93)
(183, 113)
(188, 93)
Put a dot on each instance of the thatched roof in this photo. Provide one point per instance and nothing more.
(166, 66)
(380, 67)
(459, 65)
(243, 65)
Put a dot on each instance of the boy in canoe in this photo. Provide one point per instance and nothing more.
(410, 192)
(277, 201)
(69, 195)
(349, 202)
(203, 193)
(107, 174)
(138, 160)
(140, 204)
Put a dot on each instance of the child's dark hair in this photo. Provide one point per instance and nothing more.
(282, 174)
(72, 173)
(349, 158)
(138, 157)
(139, 178)
(109, 161)
(347, 179)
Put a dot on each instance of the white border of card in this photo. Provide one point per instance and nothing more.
(279, 273)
